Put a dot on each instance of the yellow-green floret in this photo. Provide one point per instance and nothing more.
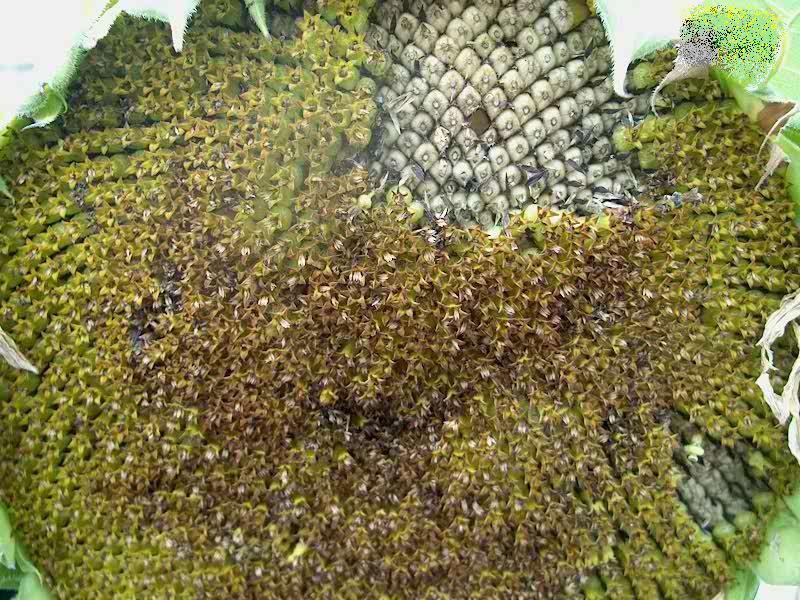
(253, 386)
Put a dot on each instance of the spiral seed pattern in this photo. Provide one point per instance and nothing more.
(493, 105)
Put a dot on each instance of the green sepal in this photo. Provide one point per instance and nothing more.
(32, 588)
(50, 106)
(744, 587)
(778, 564)
(24, 563)
(7, 544)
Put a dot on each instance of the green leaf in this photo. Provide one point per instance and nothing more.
(7, 549)
(778, 562)
(744, 587)
(31, 588)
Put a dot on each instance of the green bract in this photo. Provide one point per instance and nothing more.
(778, 563)
(258, 11)
(744, 587)
(7, 544)
(17, 572)
(31, 588)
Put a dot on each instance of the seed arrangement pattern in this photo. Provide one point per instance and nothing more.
(498, 104)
